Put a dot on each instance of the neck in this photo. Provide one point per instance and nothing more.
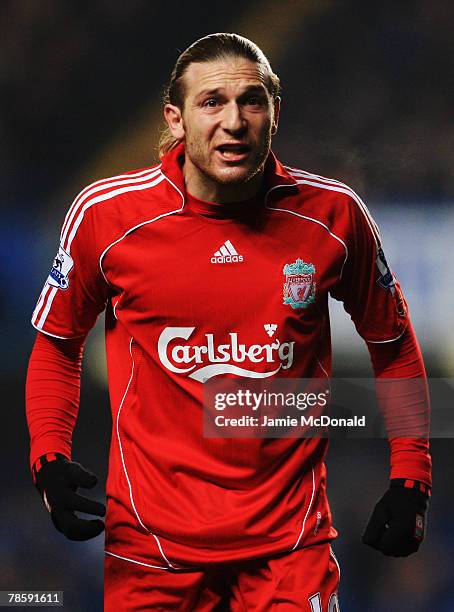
(205, 188)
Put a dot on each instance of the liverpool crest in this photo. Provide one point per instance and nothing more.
(299, 285)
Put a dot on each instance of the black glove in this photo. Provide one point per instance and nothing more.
(57, 482)
(397, 525)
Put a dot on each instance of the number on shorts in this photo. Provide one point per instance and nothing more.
(316, 603)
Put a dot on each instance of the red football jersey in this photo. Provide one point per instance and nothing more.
(194, 290)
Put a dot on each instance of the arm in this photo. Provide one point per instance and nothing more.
(372, 296)
(52, 403)
(410, 411)
(398, 522)
(73, 295)
(52, 394)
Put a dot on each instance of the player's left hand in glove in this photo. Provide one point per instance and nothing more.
(397, 525)
(57, 481)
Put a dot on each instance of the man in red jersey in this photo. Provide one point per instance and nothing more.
(170, 253)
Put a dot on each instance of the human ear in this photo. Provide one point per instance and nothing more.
(277, 110)
(174, 119)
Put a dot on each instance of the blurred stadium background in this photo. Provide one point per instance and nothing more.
(367, 99)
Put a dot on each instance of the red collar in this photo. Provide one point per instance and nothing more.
(275, 173)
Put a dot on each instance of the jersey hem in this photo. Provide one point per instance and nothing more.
(161, 567)
(182, 561)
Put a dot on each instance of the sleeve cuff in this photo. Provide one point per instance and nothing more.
(41, 461)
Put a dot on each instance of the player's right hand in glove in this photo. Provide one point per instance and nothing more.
(57, 481)
(398, 523)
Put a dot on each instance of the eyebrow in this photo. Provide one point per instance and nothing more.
(217, 90)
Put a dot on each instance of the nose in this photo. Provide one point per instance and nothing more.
(233, 120)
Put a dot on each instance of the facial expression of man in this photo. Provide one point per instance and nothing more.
(226, 123)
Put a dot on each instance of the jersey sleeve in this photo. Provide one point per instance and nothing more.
(405, 405)
(52, 394)
(367, 287)
(75, 291)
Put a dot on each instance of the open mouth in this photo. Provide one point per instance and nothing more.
(234, 152)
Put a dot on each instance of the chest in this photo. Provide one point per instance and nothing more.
(185, 270)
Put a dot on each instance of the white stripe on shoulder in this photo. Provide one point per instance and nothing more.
(144, 175)
(313, 175)
(42, 297)
(304, 173)
(102, 198)
(355, 196)
(131, 229)
(343, 188)
(49, 300)
(105, 181)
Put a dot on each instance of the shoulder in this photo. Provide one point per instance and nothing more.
(325, 186)
(106, 205)
(114, 187)
(337, 203)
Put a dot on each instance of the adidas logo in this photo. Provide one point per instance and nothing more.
(226, 254)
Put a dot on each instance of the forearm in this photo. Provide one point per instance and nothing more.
(405, 406)
(52, 394)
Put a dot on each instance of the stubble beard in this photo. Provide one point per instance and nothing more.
(230, 176)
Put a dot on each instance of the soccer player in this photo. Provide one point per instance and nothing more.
(218, 261)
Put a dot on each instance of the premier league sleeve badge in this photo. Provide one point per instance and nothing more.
(62, 266)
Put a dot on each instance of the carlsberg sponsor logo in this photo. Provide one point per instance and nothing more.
(203, 361)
